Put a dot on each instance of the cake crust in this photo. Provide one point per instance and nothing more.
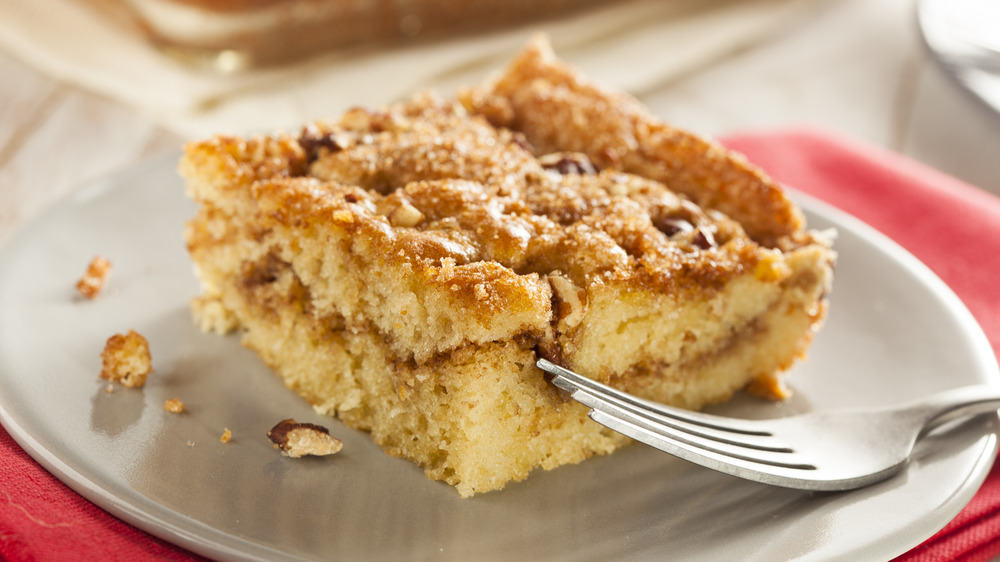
(403, 268)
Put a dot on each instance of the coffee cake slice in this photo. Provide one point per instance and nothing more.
(404, 268)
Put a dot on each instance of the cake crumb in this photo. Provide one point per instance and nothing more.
(110, 389)
(300, 439)
(190, 443)
(174, 406)
(94, 278)
(226, 436)
(126, 359)
(769, 387)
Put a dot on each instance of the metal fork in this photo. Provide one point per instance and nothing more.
(824, 451)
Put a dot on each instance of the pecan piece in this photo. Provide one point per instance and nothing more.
(314, 141)
(568, 163)
(300, 439)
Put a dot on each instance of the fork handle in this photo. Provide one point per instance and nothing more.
(955, 403)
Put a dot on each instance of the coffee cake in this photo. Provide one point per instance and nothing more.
(403, 268)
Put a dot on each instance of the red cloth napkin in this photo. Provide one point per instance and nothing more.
(952, 227)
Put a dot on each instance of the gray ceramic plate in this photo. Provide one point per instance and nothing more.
(895, 333)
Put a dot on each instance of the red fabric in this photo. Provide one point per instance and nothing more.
(952, 227)
(41, 519)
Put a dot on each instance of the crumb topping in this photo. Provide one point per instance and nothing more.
(435, 185)
(539, 172)
(442, 184)
(556, 107)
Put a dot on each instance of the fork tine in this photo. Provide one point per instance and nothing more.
(659, 425)
(696, 446)
(704, 436)
(780, 473)
(576, 380)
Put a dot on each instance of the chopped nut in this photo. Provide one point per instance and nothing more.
(226, 436)
(405, 215)
(571, 301)
(299, 439)
(704, 239)
(313, 140)
(126, 359)
(93, 280)
(671, 225)
(567, 163)
(174, 406)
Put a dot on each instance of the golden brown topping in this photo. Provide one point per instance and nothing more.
(446, 186)
(599, 191)
(559, 109)
(174, 406)
(126, 359)
(96, 276)
(300, 439)
(227, 436)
